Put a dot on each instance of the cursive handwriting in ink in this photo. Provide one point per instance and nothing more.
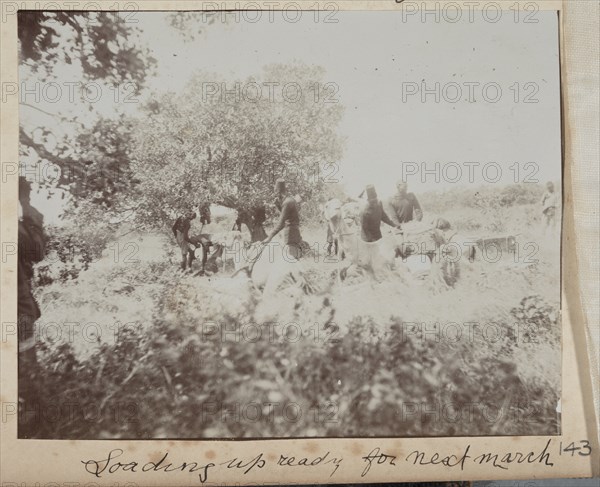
(109, 465)
(381, 458)
(515, 457)
(257, 462)
(437, 459)
(286, 461)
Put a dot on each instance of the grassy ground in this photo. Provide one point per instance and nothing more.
(157, 353)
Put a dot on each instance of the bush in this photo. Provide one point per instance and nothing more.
(70, 250)
(211, 365)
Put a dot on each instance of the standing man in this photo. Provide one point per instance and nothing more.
(31, 249)
(205, 215)
(289, 220)
(371, 216)
(181, 230)
(549, 207)
(404, 207)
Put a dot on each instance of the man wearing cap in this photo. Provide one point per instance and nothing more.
(371, 216)
(289, 220)
(181, 230)
(403, 207)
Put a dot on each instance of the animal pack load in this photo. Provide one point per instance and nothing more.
(418, 238)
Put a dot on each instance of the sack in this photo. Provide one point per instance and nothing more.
(419, 238)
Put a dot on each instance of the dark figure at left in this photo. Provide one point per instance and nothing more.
(31, 250)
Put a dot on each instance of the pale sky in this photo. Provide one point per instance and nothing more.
(370, 56)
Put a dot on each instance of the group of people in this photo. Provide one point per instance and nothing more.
(289, 223)
(401, 208)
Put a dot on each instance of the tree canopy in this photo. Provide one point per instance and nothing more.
(102, 43)
(91, 159)
(226, 142)
(219, 140)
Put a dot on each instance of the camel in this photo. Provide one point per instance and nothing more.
(270, 267)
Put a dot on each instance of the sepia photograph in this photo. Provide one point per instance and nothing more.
(289, 223)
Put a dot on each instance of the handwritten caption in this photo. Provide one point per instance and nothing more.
(329, 463)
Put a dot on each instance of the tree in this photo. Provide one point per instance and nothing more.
(102, 43)
(93, 166)
(227, 142)
(103, 47)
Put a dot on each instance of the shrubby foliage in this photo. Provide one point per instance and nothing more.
(487, 210)
(195, 357)
(71, 249)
